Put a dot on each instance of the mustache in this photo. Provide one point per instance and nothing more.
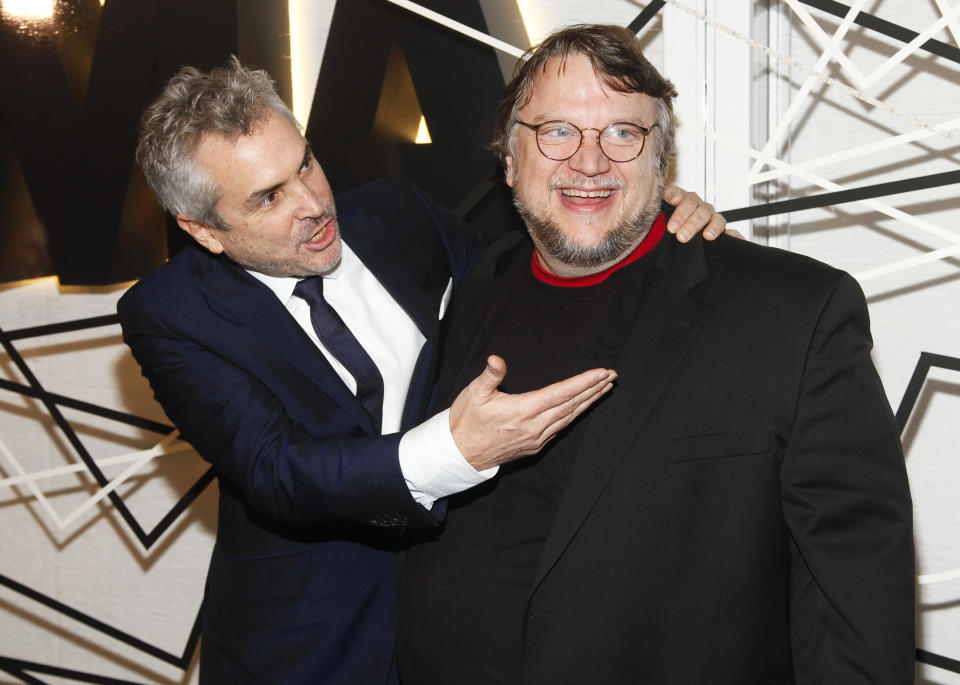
(584, 183)
(329, 212)
(310, 225)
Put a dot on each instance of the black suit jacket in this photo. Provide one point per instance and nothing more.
(301, 587)
(738, 512)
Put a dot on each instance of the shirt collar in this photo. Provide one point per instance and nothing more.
(282, 286)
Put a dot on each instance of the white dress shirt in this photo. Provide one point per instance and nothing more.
(432, 465)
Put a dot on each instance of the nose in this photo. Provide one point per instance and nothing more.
(589, 159)
(309, 202)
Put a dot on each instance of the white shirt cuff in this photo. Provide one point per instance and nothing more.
(432, 465)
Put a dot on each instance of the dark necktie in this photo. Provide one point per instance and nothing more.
(338, 339)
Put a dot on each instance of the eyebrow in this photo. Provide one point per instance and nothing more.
(547, 119)
(256, 197)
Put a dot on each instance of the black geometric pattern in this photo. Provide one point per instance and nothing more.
(52, 403)
(843, 196)
(886, 28)
(22, 669)
(28, 672)
(926, 362)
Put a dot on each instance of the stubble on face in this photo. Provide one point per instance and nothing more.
(625, 233)
(307, 228)
(576, 226)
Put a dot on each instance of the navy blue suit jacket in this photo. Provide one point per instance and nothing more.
(301, 587)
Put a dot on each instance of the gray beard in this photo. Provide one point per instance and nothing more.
(622, 236)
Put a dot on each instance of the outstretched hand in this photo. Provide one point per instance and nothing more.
(692, 214)
(491, 427)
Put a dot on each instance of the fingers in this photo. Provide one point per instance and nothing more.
(490, 427)
(716, 226)
(496, 369)
(701, 216)
(557, 417)
(563, 392)
(691, 215)
(684, 204)
(491, 377)
(563, 415)
(735, 233)
(673, 195)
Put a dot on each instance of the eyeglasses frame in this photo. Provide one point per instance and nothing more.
(645, 131)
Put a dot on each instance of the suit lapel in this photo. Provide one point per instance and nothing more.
(230, 288)
(368, 238)
(668, 322)
(470, 314)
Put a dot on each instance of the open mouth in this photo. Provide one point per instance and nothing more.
(576, 192)
(316, 236)
(323, 236)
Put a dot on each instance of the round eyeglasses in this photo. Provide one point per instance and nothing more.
(560, 140)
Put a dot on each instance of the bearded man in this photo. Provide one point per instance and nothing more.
(733, 522)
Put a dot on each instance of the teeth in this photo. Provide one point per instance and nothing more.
(571, 192)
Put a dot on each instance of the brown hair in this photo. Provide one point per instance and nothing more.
(618, 62)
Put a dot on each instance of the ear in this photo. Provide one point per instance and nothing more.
(203, 234)
(511, 173)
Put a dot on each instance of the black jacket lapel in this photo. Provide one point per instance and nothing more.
(465, 319)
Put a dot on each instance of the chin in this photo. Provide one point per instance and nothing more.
(329, 265)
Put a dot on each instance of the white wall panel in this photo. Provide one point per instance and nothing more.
(735, 90)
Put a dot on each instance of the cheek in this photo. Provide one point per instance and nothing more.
(269, 234)
(321, 188)
(534, 179)
(529, 193)
(651, 165)
(529, 169)
(645, 178)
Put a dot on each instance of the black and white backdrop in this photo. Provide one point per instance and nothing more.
(828, 128)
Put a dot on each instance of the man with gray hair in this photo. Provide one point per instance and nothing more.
(295, 348)
(737, 521)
